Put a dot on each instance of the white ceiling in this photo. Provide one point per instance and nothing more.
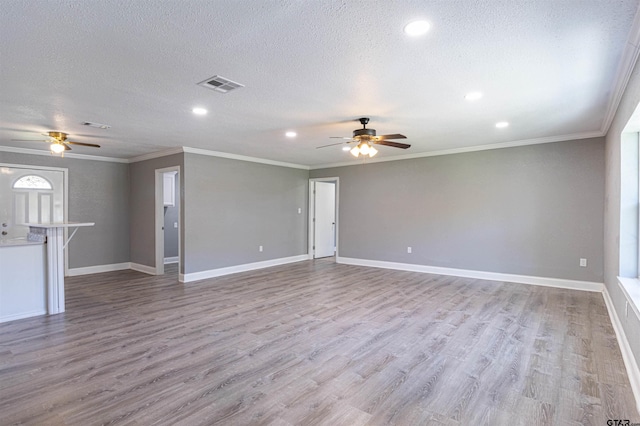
(549, 68)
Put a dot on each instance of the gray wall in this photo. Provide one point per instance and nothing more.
(98, 192)
(143, 183)
(232, 207)
(612, 238)
(532, 210)
(171, 218)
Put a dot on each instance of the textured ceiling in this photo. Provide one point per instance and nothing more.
(549, 68)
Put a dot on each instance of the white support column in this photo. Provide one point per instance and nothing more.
(55, 271)
(55, 261)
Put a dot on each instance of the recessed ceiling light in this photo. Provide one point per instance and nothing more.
(291, 134)
(473, 96)
(502, 124)
(199, 111)
(417, 28)
(346, 148)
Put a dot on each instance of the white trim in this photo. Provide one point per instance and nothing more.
(157, 154)
(69, 155)
(172, 259)
(631, 290)
(22, 315)
(524, 142)
(481, 275)
(143, 268)
(243, 158)
(623, 74)
(633, 371)
(185, 149)
(29, 166)
(159, 217)
(98, 269)
(311, 224)
(212, 273)
(65, 196)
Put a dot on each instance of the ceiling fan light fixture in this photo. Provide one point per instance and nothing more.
(355, 151)
(57, 148)
(364, 148)
(372, 151)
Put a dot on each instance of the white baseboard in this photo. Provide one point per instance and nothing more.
(169, 260)
(23, 315)
(482, 275)
(143, 268)
(98, 269)
(633, 370)
(211, 273)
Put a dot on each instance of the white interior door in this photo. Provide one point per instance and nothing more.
(325, 219)
(29, 196)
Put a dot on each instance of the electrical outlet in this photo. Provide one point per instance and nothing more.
(299, 210)
(175, 224)
(408, 249)
(583, 262)
(260, 248)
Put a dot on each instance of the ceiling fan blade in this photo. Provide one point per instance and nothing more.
(393, 144)
(333, 144)
(338, 137)
(84, 144)
(394, 136)
(29, 140)
(66, 147)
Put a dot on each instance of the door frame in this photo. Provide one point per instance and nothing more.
(65, 196)
(312, 204)
(159, 218)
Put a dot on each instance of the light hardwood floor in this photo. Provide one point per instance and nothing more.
(314, 343)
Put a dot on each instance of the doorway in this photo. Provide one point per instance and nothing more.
(32, 194)
(323, 217)
(168, 219)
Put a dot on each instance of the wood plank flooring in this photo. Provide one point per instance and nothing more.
(314, 343)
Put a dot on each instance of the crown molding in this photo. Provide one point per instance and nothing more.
(243, 158)
(199, 151)
(524, 142)
(156, 154)
(625, 68)
(66, 155)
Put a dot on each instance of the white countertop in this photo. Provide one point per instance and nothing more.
(59, 224)
(13, 242)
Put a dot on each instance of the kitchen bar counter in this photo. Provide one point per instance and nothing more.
(32, 273)
(23, 279)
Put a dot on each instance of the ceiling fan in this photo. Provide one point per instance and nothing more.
(59, 142)
(366, 137)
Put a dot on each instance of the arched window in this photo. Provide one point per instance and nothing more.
(32, 182)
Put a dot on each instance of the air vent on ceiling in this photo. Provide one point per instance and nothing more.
(97, 125)
(220, 84)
